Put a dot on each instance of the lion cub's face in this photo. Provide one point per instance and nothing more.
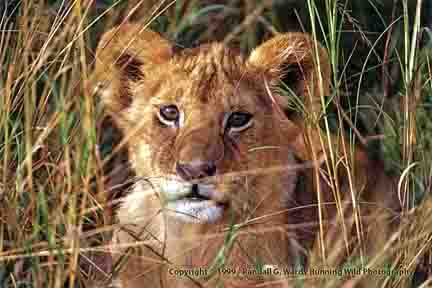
(204, 134)
(202, 122)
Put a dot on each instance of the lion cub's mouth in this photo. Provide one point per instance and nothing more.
(192, 202)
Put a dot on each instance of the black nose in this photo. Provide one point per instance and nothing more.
(195, 169)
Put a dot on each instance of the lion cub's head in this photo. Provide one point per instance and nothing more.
(204, 128)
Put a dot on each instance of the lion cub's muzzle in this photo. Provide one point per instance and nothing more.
(195, 169)
(192, 195)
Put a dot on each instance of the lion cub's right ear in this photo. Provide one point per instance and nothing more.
(301, 60)
(123, 56)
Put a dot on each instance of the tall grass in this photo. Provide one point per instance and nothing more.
(55, 192)
(407, 150)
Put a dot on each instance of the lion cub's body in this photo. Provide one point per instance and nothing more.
(211, 191)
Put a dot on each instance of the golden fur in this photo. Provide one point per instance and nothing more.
(268, 176)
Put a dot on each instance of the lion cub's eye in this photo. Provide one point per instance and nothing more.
(169, 115)
(238, 121)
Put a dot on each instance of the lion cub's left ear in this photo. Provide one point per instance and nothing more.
(295, 56)
(125, 55)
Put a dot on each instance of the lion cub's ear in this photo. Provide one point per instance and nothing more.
(124, 55)
(295, 59)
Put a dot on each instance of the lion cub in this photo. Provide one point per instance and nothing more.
(229, 191)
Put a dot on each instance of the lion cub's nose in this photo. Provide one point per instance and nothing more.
(195, 169)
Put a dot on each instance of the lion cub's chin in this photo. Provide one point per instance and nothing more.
(191, 202)
(185, 201)
(195, 210)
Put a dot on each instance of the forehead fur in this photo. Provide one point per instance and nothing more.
(210, 59)
(209, 73)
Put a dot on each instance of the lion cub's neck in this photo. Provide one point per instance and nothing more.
(197, 245)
